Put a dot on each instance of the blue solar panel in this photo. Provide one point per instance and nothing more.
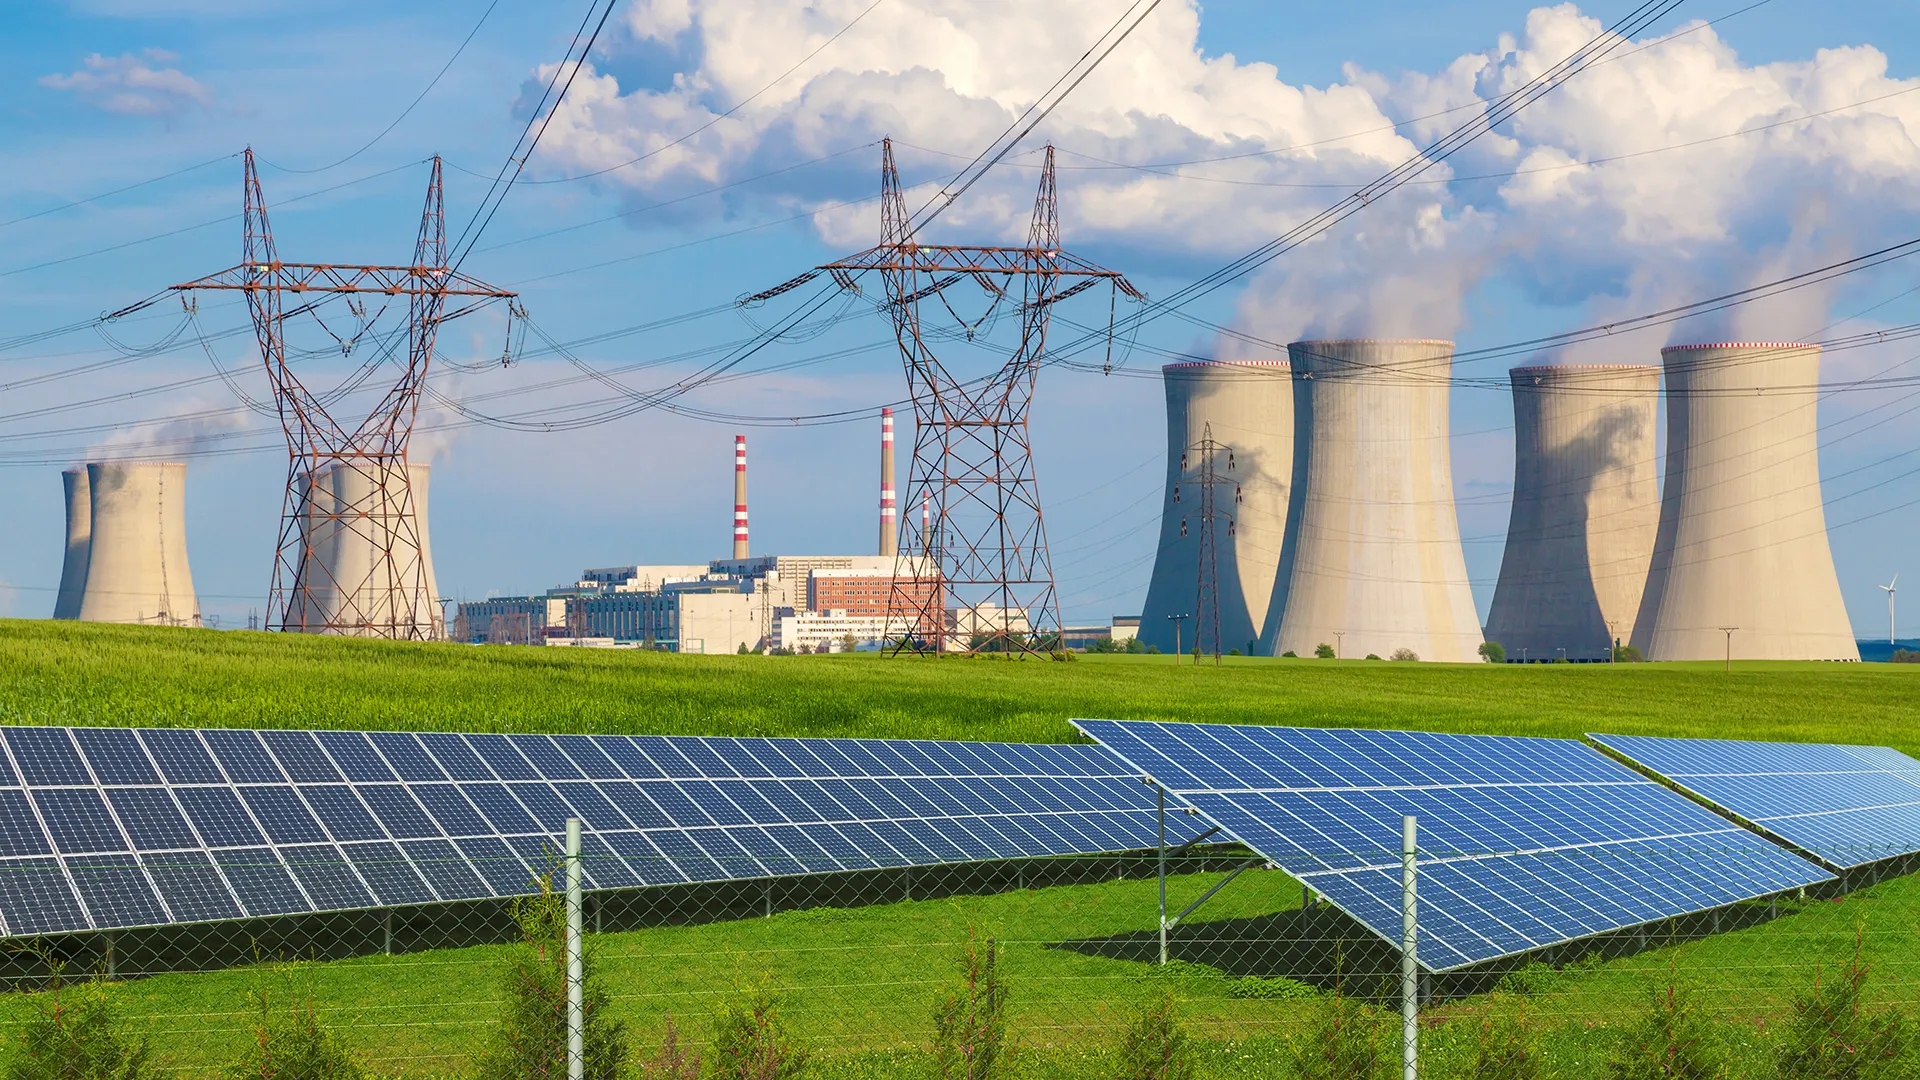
(120, 827)
(1846, 805)
(1524, 842)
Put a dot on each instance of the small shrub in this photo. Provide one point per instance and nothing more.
(970, 1026)
(1829, 1038)
(1405, 654)
(530, 1041)
(1274, 988)
(290, 1043)
(1344, 1041)
(672, 1061)
(1504, 1047)
(1627, 654)
(73, 1034)
(1323, 651)
(1156, 1046)
(1531, 980)
(752, 1042)
(1373, 656)
(1493, 652)
(1670, 1042)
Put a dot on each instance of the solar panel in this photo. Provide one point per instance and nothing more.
(106, 828)
(1524, 842)
(1846, 805)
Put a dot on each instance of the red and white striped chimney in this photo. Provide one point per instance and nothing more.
(889, 520)
(739, 496)
(926, 524)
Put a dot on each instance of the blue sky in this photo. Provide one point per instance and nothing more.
(176, 84)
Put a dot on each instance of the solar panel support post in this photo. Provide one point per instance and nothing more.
(1409, 945)
(1160, 802)
(576, 965)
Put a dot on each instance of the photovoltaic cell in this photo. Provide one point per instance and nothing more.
(120, 827)
(1524, 842)
(1845, 805)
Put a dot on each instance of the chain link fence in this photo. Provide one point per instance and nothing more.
(1043, 968)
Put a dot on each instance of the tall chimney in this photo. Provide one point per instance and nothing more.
(889, 524)
(739, 496)
(926, 524)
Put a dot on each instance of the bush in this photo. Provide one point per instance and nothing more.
(1829, 1038)
(1346, 1040)
(1405, 654)
(530, 1042)
(1373, 656)
(1290, 655)
(1493, 652)
(1504, 1048)
(970, 1026)
(1323, 651)
(1156, 1046)
(1671, 1042)
(1135, 646)
(290, 1043)
(1626, 654)
(73, 1034)
(671, 1061)
(1268, 988)
(752, 1042)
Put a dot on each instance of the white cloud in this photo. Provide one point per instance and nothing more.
(135, 84)
(1616, 236)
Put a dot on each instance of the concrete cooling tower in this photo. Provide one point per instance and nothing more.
(1585, 509)
(1249, 404)
(1372, 561)
(1743, 536)
(73, 570)
(137, 548)
(362, 577)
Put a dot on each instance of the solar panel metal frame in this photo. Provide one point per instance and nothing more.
(1371, 766)
(94, 836)
(1881, 783)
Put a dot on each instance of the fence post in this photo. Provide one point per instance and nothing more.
(1409, 963)
(576, 966)
(1160, 797)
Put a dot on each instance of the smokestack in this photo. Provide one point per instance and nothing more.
(137, 545)
(739, 496)
(926, 524)
(73, 572)
(889, 522)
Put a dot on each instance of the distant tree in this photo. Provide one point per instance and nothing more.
(1324, 651)
(1233, 652)
(742, 650)
(1627, 654)
(1153, 650)
(1291, 655)
(1905, 656)
(1373, 656)
(1136, 646)
(848, 643)
(1493, 652)
(1405, 654)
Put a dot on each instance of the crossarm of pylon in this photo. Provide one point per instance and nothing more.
(335, 278)
(786, 286)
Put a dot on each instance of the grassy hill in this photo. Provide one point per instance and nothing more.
(70, 673)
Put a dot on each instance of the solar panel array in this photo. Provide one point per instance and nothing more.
(104, 828)
(1524, 842)
(1847, 805)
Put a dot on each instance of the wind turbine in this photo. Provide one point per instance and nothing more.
(1890, 590)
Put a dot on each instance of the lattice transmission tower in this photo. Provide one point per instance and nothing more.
(1206, 602)
(350, 557)
(983, 580)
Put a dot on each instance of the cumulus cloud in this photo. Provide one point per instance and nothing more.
(137, 84)
(1671, 171)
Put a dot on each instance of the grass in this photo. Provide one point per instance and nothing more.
(860, 983)
(71, 673)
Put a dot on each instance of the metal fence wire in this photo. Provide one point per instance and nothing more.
(1183, 962)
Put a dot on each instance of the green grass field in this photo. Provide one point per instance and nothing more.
(860, 982)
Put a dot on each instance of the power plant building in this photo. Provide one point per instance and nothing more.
(1741, 566)
(1247, 405)
(137, 568)
(1585, 510)
(1372, 562)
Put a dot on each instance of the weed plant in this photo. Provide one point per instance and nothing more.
(75, 1033)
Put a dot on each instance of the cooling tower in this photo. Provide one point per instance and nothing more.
(1743, 536)
(311, 597)
(73, 571)
(431, 610)
(1585, 509)
(368, 579)
(137, 551)
(1249, 405)
(1372, 561)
